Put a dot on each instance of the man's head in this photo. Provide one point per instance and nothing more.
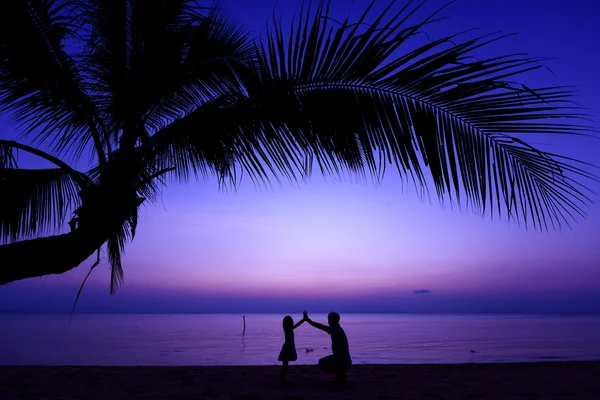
(333, 319)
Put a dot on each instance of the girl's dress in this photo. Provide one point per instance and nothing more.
(288, 351)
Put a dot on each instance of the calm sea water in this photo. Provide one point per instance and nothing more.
(218, 340)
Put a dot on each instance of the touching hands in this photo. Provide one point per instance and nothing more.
(305, 314)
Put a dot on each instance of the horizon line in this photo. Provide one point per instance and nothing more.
(506, 313)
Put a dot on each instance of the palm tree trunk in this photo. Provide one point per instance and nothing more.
(45, 256)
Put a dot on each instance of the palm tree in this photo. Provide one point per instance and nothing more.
(155, 89)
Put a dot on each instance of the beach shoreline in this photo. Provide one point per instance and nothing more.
(538, 380)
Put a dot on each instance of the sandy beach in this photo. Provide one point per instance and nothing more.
(549, 380)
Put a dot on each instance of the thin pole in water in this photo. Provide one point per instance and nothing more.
(244, 331)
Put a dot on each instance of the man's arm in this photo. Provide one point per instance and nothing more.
(319, 326)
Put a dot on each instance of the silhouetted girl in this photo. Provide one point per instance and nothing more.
(288, 351)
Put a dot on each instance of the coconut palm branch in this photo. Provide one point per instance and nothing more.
(37, 201)
(34, 203)
(41, 86)
(339, 96)
(155, 90)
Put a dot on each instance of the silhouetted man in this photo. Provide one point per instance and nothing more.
(339, 362)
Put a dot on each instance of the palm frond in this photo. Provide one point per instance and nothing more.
(182, 149)
(116, 213)
(345, 97)
(114, 249)
(366, 108)
(434, 104)
(217, 50)
(115, 246)
(9, 150)
(39, 82)
(146, 183)
(8, 158)
(153, 61)
(34, 202)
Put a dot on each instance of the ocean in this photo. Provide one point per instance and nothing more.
(202, 339)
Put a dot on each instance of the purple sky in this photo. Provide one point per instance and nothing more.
(357, 247)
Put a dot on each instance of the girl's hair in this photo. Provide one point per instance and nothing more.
(288, 323)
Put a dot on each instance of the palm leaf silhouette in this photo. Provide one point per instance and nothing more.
(337, 95)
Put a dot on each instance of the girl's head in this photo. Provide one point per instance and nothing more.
(288, 323)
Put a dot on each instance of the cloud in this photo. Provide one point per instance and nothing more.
(422, 291)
